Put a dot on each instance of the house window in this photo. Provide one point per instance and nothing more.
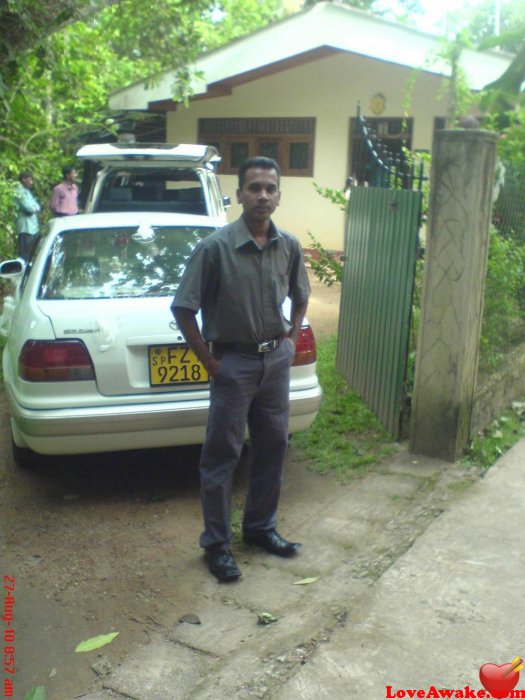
(289, 141)
(238, 152)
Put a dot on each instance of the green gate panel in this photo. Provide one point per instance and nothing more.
(376, 297)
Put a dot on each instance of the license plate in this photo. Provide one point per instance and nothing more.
(175, 364)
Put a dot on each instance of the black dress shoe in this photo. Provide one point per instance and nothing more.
(222, 564)
(272, 542)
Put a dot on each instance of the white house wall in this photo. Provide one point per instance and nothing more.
(328, 89)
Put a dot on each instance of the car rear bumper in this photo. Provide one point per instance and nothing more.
(101, 429)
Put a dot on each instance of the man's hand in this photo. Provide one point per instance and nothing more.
(298, 313)
(187, 324)
(213, 366)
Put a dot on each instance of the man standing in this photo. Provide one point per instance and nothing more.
(27, 224)
(64, 201)
(239, 277)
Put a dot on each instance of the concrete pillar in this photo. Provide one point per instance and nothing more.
(462, 177)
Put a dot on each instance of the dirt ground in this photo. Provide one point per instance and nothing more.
(109, 543)
(323, 307)
(104, 542)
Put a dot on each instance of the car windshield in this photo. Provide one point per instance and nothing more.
(117, 262)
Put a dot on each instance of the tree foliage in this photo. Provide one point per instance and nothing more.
(27, 23)
(61, 59)
(401, 10)
(506, 93)
(484, 25)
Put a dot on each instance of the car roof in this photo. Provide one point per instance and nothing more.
(154, 154)
(127, 219)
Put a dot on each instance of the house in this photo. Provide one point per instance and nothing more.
(291, 91)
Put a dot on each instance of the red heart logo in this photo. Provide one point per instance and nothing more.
(498, 680)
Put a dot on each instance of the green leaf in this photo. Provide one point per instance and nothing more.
(265, 618)
(37, 692)
(306, 581)
(96, 642)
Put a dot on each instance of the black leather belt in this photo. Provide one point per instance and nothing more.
(255, 348)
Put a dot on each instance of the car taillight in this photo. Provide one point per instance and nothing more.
(55, 361)
(305, 350)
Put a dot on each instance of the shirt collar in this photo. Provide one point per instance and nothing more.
(243, 236)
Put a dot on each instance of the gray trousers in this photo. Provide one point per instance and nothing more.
(253, 390)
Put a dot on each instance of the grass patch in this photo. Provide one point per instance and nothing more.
(346, 437)
(498, 438)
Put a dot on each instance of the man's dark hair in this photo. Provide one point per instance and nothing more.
(23, 175)
(66, 171)
(258, 162)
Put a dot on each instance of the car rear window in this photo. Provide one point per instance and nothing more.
(117, 262)
(171, 190)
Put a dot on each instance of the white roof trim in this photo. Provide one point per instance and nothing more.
(324, 25)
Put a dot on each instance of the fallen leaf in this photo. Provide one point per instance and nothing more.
(191, 618)
(306, 581)
(265, 618)
(96, 642)
(37, 692)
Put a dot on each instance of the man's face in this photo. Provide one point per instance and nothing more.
(259, 195)
(27, 182)
(72, 176)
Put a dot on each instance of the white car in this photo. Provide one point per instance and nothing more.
(94, 360)
(153, 177)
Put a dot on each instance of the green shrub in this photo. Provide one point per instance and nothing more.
(7, 214)
(504, 308)
(326, 265)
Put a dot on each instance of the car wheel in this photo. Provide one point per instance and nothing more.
(25, 457)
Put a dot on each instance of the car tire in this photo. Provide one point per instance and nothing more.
(25, 457)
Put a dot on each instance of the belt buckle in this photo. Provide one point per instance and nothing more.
(266, 346)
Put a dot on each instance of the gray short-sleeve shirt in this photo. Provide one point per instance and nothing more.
(239, 287)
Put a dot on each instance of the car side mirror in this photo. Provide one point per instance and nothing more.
(12, 268)
(226, 201)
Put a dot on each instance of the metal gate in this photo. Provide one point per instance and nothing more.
(381, 247)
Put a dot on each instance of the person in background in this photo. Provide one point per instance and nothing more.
(64, 201)
(27, 224)
(349, 184)
(239, 278)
